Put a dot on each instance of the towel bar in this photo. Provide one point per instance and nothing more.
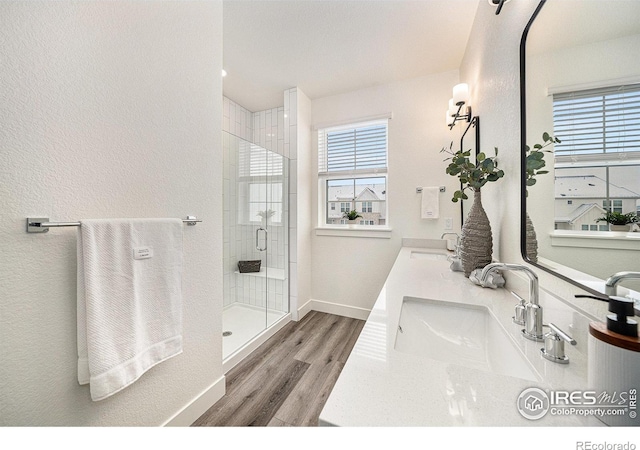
(42, 224)
(441, 189)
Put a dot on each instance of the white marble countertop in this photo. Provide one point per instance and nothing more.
(380, 386)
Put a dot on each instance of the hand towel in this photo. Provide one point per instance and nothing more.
(430, 207)
(129, 300)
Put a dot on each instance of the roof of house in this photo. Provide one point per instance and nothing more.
(589, 186)
(579, 212)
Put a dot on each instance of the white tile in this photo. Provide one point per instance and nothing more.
(293, 142)
(293, 106)
(232, 111)
(225, 106)
(293, 176)
(286, 101)
(239, 113)
(280, 124)
(225, 124)
(293, 208)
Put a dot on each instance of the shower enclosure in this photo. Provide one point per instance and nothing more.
(255, 228)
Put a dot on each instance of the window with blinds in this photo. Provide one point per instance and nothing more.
(597, 121)
(352, 173)
(596, 166)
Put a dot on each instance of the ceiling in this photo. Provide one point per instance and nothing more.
(327, 47)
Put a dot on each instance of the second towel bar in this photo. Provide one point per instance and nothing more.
(42, 224)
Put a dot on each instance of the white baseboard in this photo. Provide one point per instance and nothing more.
(304, 310)
(354, 312)
(199, 405)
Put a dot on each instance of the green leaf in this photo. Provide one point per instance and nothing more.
(531, 181)
(487, 165)
(545, 136)
(481, 156)
(541, 172)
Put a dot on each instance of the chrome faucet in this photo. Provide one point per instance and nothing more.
(456, 262)
(533, 311)
(457, 239)
(611, 285)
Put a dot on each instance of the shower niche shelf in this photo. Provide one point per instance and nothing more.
(269, 272)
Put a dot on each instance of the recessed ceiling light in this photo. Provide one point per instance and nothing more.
(224, 73)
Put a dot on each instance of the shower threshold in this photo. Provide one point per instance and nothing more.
(246, 325)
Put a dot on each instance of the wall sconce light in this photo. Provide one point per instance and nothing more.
(499, 4)
(460, 98)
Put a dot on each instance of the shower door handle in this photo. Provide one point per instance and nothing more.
(266, 235)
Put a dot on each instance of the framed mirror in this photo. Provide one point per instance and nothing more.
(580, 82)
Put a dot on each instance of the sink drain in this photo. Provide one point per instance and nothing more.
(226, 333)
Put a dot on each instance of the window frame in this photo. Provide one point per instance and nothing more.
(324, 177)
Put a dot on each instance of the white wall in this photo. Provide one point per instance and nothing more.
(350, 271)
(109, 109)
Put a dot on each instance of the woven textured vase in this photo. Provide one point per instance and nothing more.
(531, 240)
(476, 242)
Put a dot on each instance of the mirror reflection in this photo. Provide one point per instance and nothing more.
(583, 87)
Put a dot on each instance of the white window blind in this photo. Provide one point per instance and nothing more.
(597, 121)
(359, 147)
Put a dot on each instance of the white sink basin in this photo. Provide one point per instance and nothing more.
(427, 255)
(462, 334)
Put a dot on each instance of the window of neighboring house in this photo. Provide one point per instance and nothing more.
(585, 227)
(352, 171)
(603, 227)
(617, 205)
(343, 221)
(366, 207)
(367, 222)
(597, 164)
(333, 207)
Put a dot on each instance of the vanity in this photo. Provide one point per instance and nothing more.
(438, 350)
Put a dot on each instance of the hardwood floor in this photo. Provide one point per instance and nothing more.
(287, 380)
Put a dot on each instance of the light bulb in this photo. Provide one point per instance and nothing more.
(460, 94)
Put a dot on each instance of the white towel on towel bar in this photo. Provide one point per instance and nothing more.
(430, 206)
(129, 300)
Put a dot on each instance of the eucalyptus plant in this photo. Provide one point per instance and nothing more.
(535, 158)
(471, 175)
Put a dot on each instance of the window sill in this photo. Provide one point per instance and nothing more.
(596, 239)
(359, 231)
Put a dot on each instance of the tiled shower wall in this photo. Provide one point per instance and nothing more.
(269, 129)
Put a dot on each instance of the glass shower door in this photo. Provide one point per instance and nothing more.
(256, 229)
